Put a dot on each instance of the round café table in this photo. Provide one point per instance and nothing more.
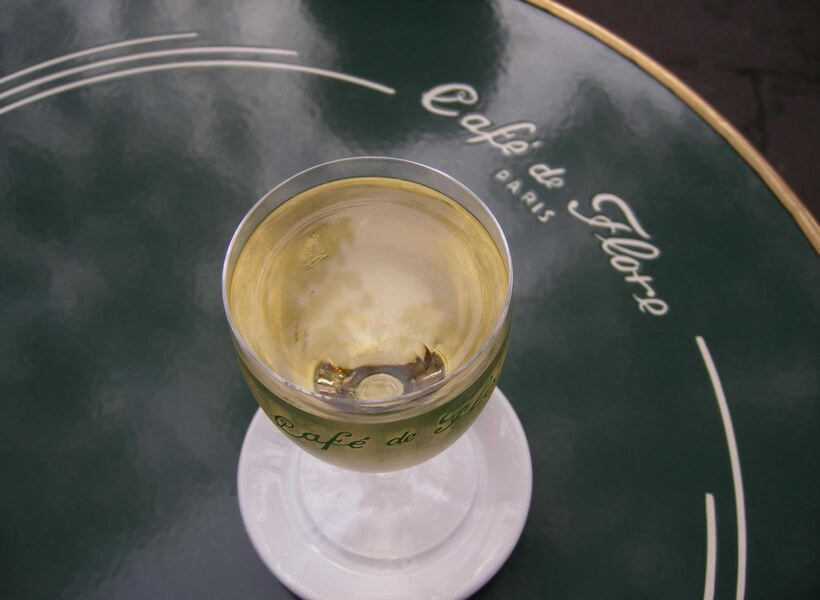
(664, 352)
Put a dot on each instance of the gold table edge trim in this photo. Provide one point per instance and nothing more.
(784, 193)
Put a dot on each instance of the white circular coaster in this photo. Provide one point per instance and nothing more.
(286, 536)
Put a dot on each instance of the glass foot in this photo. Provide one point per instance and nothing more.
(441, 529)
(388, 516)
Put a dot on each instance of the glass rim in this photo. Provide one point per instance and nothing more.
(260, 211)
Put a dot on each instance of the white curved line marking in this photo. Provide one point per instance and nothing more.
(144, 56)
(711, 549)
(198, 64)
(737, 480)
(95, 49)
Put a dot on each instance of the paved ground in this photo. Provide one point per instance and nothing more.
(757, 62)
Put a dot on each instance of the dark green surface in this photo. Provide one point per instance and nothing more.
(122, 410)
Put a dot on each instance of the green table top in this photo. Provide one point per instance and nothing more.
(664, 352)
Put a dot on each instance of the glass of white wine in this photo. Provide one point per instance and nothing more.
(369, 303)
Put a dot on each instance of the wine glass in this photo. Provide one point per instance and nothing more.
(368, 300)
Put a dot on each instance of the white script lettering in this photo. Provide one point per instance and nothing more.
(627, 254)
(509, 139)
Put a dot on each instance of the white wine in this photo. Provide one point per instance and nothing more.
(367, 288)
(367, 291)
